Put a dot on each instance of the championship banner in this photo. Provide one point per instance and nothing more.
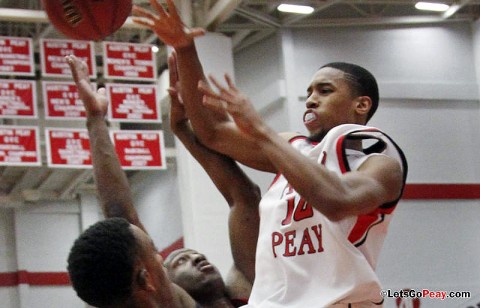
(18, 99)
(68, 148)
(16, 56)
(53, 52)
(139, 149)
(62, 101)
(133, 103)
(129, 61)
(19, 146)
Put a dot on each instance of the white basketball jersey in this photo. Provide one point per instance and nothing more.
(303, 259)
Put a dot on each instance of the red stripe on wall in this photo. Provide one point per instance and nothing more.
(441, 191)
(34, 279)
(12, 279)
(8, 279)
(174, 246)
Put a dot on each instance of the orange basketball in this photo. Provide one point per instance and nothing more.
(87, 19)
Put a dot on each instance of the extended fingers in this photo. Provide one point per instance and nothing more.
(204, 88)
(172, 10)
(78, 68)
(217, 84)
(144, 22)
(139, 11)
(229, 81)
(159, 8)
(195, 32)
(213, 104)
(172, 69)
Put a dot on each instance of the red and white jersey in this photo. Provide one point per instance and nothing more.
(306, 260)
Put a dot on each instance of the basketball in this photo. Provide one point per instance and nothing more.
(87, 19)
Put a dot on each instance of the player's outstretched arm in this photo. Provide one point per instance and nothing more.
(378, 180)
(236, 187)
(214, 129)
(112, 184)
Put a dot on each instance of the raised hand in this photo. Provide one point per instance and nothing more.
(178, 117)
(96, 103)
(166, 25)
(231, 100)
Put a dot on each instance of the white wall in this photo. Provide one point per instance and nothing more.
(157, 200)
(8, 257)
(44, 233)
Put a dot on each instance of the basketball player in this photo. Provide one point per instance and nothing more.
(324, 219)
(114, 263)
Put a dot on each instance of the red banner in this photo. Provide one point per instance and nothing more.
(18, 99)
(16, 56)
(129, 61)
(53, 54)
(19, 146)
(61, 100)
(133, 103)
(140, 149)
(68, 148)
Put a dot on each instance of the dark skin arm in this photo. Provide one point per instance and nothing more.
(240, 192)
(112, 184)
(378, 180)
(213, 129)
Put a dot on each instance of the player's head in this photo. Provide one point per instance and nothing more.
(340, 93)
(191, 270)
(362, 82)
(112, 263)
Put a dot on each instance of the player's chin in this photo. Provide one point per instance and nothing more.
(316, 135)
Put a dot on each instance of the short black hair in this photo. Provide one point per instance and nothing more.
(101, 263)
(362, 81)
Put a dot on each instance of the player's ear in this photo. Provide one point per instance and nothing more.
(144, 280)
(363, 104)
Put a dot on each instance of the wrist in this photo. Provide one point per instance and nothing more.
(186, 49)
(93, 120)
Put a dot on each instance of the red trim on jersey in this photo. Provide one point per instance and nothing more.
(339, 148)
(275, 180)
(299, 137)
(364, 222)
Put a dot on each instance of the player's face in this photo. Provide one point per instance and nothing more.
(329, 103)
(191, 270)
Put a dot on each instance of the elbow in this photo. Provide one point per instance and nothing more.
(336, 208)
(334, 214)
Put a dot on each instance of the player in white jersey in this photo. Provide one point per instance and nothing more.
(226, 121)
(305, 259)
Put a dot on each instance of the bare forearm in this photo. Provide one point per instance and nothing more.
(227, 176)
(190, 71)
(242, 195)
(112, 184)
(333, 195)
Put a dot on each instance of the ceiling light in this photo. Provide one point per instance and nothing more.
(431, 6)
(155, 49)
(298, 9)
